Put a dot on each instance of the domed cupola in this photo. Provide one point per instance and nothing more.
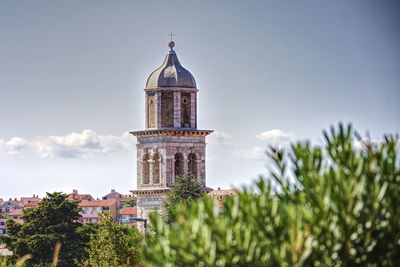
(171, 73)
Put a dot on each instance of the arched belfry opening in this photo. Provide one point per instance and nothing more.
(192, 165)
(185, 110)
(156, 168)
(178, 164)
(146, 168)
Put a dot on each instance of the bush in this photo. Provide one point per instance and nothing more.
(113, 245)
(320, 206)
(185, 189)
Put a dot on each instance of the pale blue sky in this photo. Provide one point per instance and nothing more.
(293, 66)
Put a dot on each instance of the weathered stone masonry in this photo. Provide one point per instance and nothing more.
(171, 144)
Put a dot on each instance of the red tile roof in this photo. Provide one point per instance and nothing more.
(14, 202)
(15, 213)
(32, 204)
(79, 196)
(129, 211)
(29, 198)
(97, 203)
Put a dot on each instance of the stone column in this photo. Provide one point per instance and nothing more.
(193, 110)
(147, 111)
(177, 109)
(199, 174)
(167, 173)
(172, 171)
(151, 171)
(185, 165)
(154, 163)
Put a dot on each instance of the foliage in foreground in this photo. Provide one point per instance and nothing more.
(186, 188)
(113, 245)
(341, 210)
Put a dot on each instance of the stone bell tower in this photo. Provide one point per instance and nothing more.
(171, 144)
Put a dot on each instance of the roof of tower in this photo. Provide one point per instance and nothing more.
(171, 73)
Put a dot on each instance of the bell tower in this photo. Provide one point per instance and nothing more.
(171, 144)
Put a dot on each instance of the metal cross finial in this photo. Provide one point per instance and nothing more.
(170, 35)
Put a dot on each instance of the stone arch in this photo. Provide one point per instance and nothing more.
(146, 168)
(156, 168)
(178, 164)
(192, 164)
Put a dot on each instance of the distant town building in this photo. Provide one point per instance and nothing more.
(15, 214)
(93, 209)
(75, 196)
(32, 204)
(220, 195)
(128, 216)
(10, 205)
(3, 226)
(113, 194)
(3, 229)
(27, 200)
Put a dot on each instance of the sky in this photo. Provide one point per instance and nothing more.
(72, 75)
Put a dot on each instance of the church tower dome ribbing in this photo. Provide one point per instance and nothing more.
(171, 73)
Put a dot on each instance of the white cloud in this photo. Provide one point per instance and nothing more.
(73, 145)
(256, 153)
(220, 138)
(276, 136)
(14, 146)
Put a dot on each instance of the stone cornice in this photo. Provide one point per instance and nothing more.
(146, 192)
(171, 89)
(161, 191)
(172, 132)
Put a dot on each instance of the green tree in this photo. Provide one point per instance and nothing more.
(319, 206)
(129, 202)
(54, 220)
(113, 245)
(185, 189)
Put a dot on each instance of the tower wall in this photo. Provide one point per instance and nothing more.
(170, 145)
